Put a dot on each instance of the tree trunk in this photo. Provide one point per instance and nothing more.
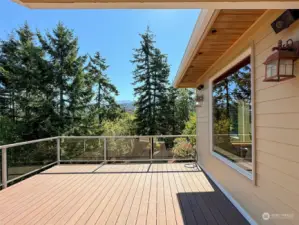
(154, 107)
(99, 103)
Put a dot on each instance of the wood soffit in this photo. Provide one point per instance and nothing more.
(225, 31)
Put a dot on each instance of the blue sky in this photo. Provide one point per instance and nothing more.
(112, 32)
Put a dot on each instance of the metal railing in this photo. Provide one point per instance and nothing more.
(19, 160)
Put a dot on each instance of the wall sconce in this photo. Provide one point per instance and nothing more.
(199, 96)
(280, 65)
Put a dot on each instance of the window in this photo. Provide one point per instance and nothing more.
(232, 117)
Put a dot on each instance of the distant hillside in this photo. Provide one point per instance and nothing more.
(127, 105)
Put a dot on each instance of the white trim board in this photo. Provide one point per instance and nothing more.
(230, 197)
(233, 165)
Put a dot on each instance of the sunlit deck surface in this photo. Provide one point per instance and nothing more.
(118, 194)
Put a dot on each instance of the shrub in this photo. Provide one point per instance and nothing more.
(183, 148)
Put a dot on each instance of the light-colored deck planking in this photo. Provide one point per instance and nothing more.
(122, 194)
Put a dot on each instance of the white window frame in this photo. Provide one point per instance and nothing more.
(244, 55)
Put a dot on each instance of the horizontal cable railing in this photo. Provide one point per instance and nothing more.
(20, 160)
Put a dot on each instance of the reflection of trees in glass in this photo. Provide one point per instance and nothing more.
(232, 105)
(228, 92)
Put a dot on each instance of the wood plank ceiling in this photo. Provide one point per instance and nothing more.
(225, 31)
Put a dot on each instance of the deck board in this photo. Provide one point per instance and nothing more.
(161, 207)
(144, 203)
(162, 193)
(168, 202)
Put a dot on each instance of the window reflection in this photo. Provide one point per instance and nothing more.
(232, 115)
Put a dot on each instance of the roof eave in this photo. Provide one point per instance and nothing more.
(201, 28)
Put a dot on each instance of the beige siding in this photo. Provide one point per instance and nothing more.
(277, 132)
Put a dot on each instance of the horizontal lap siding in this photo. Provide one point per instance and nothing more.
(277, 132)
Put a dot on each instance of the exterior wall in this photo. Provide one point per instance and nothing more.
(276, 126)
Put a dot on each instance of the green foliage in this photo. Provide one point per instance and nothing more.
(123, 147)
(190, 128)
(122, 126)
(183, 148)
(8, 129)
(161, 109)
(106, 105)
(73, 87)
(180, 106)
(47, 89)
(222, 126)
(151, 82)
(82, 149)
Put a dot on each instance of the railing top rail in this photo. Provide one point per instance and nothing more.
(27, 142)
(89, 137)
(136, 136)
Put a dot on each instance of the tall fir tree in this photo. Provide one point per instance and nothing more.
(150, 80)
(8, 69)
(68, 73)
(26, 78)
(172, 119)
(142, 58)
(160, 70)
(106, 106)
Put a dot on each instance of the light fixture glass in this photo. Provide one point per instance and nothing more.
(280, 65)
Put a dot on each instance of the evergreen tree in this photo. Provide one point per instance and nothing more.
(160, 70)
(80, 97)
(142, 58)
(25, 75)
(68, 74)
(185, 105)
(46, 89)
(172, 119)
(106, 105)
(8, 62)
(180, 105)
(150, 80)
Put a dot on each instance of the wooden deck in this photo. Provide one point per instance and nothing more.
(117, 194)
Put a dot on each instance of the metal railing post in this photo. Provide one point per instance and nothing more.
(4, 168)
(84, 145)
(58, 151)
(152, 147)
(105, 149)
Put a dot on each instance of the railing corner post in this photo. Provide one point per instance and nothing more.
(58, 150)
(4, 168)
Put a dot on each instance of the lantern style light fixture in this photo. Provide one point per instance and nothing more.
(280, 65)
